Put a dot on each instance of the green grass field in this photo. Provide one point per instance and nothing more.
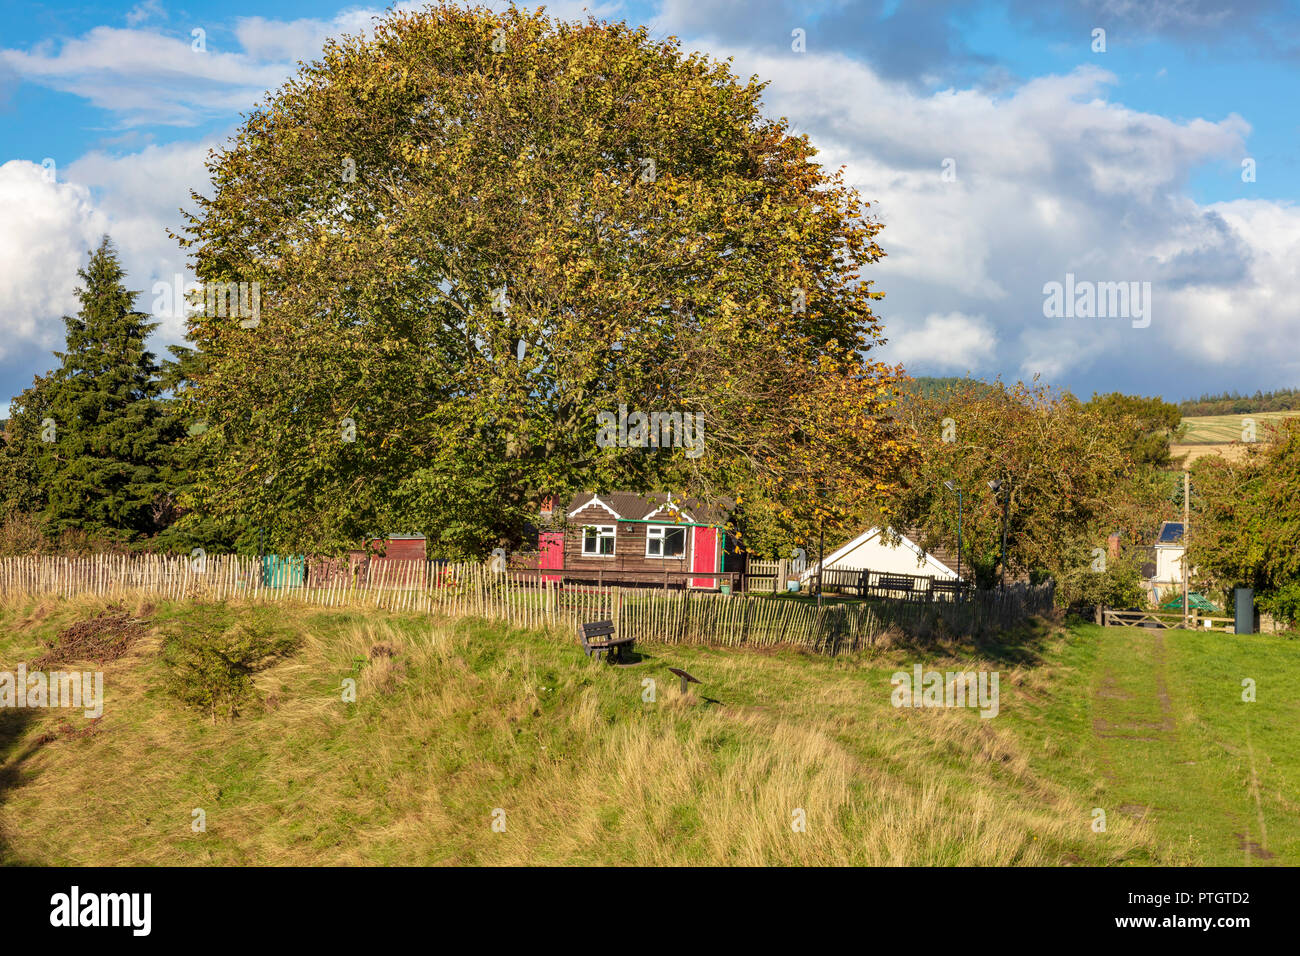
(460, 725)
(1221, 429)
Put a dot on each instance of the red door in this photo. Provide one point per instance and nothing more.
(704, 556)
(551, 545)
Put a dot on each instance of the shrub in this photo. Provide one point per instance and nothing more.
(23, 534)
(1283, 604)
(212, 670)
(1086, 581)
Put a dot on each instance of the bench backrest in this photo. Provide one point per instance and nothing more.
(893, 582)
(597, 629)
(945, 587)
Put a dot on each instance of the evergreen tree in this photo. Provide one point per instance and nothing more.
(104, 475)
(24, 457)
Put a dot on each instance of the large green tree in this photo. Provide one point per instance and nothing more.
(187, 462)
(472, 233)
(1064, 473)
(1150, 425)
(1245, 528)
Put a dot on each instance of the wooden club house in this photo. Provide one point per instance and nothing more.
(638, 540)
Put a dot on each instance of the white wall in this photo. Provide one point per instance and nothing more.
(1169, 565)
(874, 555)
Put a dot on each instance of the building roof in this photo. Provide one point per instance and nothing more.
(945, 556)
(631, 506)
(1171, 532)
(1194, 600)
(934, 560)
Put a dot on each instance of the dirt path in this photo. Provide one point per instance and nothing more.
(1131, 714)
(1150, 771)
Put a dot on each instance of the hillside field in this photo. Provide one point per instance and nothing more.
(1221, 435)
(460, 725)
(1223, 429)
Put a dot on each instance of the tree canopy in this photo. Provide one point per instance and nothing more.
(88, 442)
(1065, 481)
(472, 233)
(1245, 525)
(1150, 425)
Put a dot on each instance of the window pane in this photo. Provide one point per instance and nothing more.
(674, 542)
(597, 540)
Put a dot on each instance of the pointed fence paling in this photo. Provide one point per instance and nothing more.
(524, 599)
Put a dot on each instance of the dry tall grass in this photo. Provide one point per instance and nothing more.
(461, 724)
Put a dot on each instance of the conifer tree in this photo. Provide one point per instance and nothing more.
(22, 488)
(102, 475)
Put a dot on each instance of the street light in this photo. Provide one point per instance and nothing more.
(821, 543)
(996, 486)
(952, 487)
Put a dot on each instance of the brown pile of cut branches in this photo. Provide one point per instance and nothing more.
(102, 638)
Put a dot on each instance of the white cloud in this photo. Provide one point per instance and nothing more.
(1258, 318)
(145, 11)
(952, 342)
(44, 237)
(135, 199)
(143, 76)
(1052, 177)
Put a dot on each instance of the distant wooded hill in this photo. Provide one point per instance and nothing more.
(1227, 403)
(930, 386)
(1234, 403)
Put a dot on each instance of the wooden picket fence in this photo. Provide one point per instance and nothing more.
(526, 600)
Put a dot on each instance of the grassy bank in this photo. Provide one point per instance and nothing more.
(460, 724)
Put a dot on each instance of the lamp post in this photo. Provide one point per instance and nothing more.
(952, 487)
(822, 494)
(821, 556)
(997, 485)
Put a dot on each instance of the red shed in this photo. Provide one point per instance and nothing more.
(396, 558)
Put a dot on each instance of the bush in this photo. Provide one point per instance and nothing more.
(1089, 580)
(22, 534)
(1283, 604)
(212, 670)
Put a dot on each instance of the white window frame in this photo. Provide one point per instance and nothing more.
(659, 532)
(602, 531)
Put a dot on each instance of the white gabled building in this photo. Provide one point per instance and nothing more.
(1164, 573)
(870, 551)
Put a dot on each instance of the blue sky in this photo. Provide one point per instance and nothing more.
(1001, 150)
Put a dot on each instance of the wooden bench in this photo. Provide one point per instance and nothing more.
(895, 582)
(946, 588)
(598, 638)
